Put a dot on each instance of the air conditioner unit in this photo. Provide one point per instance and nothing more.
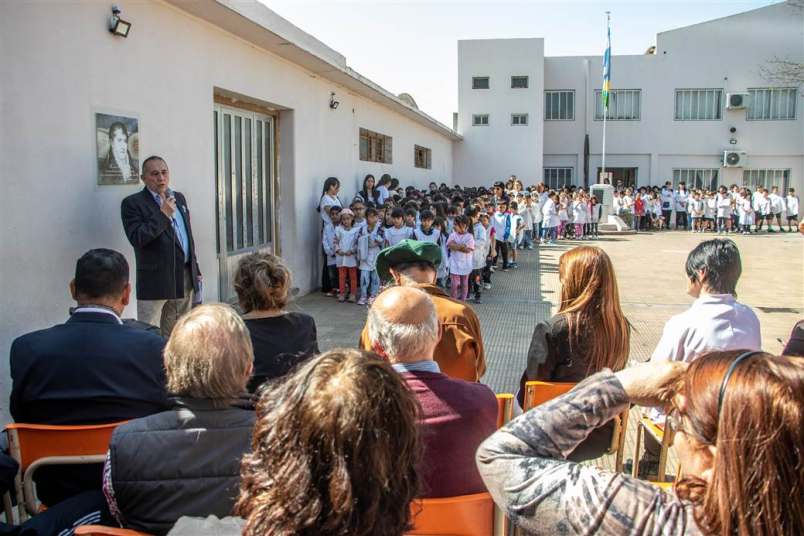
(734, 158)
(736, 101)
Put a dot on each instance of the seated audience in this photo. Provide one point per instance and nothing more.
(589, 333)
(459, 352)
(739, 439)
(716, 320)
(281, 340)
(186, 461)
(456, 415)
(335, 451)
(92, 369)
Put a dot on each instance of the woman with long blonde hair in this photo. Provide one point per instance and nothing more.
(587, 334)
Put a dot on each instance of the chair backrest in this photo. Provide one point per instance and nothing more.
(100, 530)
(505, 408)
(538, 392)
(35, 441)
(466, 515)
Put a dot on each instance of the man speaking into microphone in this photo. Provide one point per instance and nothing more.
(157, 223)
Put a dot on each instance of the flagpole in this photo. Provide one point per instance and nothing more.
(605, 106)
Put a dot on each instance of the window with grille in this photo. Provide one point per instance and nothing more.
(519, 119)
(699, 105)
(767, 178)
(557, 177)
(694, 178)
(480, 120)
(375, 147)
(480, 82)
(772, 104)
(624, 105)
(422, 157)
(559, 105)
(519, 82)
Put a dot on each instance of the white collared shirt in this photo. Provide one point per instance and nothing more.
(90, 309)
(714, 322)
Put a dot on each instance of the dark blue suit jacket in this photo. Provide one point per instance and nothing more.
(89, 370)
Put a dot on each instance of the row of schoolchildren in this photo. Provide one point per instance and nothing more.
(726, 210)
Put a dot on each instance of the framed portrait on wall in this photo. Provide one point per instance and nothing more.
(118, 149)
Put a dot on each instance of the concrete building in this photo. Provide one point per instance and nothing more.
(668, 118)
(221, 89)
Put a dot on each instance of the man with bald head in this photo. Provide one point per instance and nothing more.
(457, 415)
(459, 352)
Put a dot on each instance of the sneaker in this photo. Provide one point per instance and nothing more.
(477, 299)
(530, 247)
(362, 301)
(341, 299)
(487, 286)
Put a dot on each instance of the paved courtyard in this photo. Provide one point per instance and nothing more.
(650, 272)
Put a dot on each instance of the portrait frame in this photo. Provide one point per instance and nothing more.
(117, 148)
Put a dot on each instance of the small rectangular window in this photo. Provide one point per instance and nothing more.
(422, 157)
(557, 177)
(480, 82)
(699, 104)
(519, 119)
(559, 105)
(772, 104)
(624, 105)
(767, 178)
(480, 120)
(375, 147)
(519, 82)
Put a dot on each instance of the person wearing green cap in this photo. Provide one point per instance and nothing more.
(459, 352)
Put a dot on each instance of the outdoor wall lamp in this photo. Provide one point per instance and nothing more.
(332, 102)
(118, 26)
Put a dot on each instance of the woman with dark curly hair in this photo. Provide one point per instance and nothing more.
(334, 452)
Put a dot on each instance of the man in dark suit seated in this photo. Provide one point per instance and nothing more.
(457, 415)
(92, 369)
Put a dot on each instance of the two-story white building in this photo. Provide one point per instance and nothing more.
(669, 117)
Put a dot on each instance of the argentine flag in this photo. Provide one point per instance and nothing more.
(606, 71)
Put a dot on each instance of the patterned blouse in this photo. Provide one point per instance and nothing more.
(524, 467)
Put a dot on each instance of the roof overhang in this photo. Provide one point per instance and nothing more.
(255, 23)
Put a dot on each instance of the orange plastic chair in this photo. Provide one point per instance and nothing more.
(505, 408)
(100, 530)
(35, 445)
(466, 515)
(539, 392)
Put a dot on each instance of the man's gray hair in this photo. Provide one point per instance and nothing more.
(403, 341)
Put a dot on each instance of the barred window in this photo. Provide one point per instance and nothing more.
(375, 147)
(519, 119)
(559, 105)
(699, 104)
(766, 178)
(694, 178)
(480, 120)
(519, 82)
(422, 157)
(772, 104)
(557, 177)
(480, 82)
(624, 105)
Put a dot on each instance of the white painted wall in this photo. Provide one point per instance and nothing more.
(725, 53)
(494, 152)
(165, 72)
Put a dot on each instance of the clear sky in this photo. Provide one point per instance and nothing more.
(411, 45)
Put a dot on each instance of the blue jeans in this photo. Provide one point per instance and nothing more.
(527, 239)
(369, 283)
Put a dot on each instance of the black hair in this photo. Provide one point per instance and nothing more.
(331, 181)
(397, 213)
(410, 212)
(452, 210)
(100, 273)
(719, 259)
(461, 220)
(335, 208)
(472, 212)
(457, 199)
(394, 183)
(427, 215)
(514, 205)
(117, 125)
(371, 211)
(149, 159)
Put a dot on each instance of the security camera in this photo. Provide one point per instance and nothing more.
(733, 130)
(332, 102)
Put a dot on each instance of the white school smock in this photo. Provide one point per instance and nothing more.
(579, 212)
(597, 211)
(382, 195)
(711, 207)
(328, 241)
(369, 245)
(460, 262)
(616, 205)
(516, 219)
(763, 206)
(549, 214)
(723, 206)
(326, 202)
(433, 237)
(776, 204)
(481, 247)
(714, 322)
(499, 222)
(667, 199)
(562, 212)
(346, 241)
(697, 208)
(681, 197)
(393, 236)
(536, 212)
(745, 211)
(792, 205)
(527, 217)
